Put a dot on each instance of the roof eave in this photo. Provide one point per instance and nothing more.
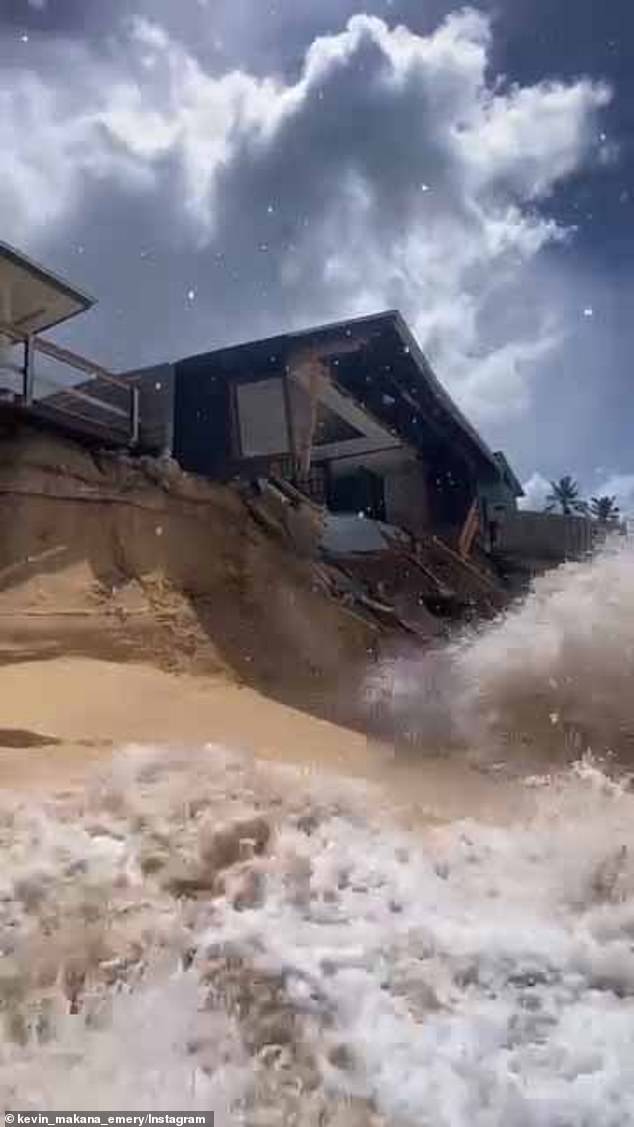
(441, 395)
(515, 483)
(85, 300)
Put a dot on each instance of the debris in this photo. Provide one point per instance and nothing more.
(224, 845)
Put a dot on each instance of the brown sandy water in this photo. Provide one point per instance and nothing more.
(211, 900)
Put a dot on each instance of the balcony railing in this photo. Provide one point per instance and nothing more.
(66, 389)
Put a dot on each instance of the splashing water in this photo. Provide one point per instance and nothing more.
(202, 932)
(551, 678)
(197, 930)
(557, 671)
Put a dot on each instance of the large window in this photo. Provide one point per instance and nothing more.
(262, 418)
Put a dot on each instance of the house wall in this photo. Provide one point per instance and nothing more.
(203, 440)
(406, 499)
(452, 486)
(222, 421)
(156, 407)
(500, 500)
(498, 503)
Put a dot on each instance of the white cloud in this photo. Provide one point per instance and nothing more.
(52, 148)
(620, 486)
(536, 490)
(373, 114)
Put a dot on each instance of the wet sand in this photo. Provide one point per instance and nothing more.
(82, 710)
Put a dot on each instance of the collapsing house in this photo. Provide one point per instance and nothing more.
(351, 417)
(348, 418)
(350, 413)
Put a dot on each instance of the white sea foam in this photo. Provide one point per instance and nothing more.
(552, 677)
(315, 964)
(468, 975)
(483, 977)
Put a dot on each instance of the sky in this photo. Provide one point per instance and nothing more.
(218, 170)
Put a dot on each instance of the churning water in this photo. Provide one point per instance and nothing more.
(554, 675)
(201, 931)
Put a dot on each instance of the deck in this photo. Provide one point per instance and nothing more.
(40, 380)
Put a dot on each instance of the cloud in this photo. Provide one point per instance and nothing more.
(536, 490)
(54, 147)
(390, 170)
(620, 486)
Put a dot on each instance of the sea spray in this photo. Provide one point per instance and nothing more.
(556, 672)
(460, 975)
(551, 678)
(159, 946)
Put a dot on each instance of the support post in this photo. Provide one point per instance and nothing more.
(29, 371)
(308, 370)
(135, 416)
(469, 530)
(290, 427)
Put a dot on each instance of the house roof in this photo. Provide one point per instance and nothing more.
(32, 298)
(507, 472)
(389, 375)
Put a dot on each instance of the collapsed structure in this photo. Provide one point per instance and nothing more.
(351, 413)
(348, 416)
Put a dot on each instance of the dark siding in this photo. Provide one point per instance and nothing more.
(451, 488)
(156, 407)
(358, 492)
(202, 419)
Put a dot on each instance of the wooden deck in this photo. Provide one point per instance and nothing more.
(63, 389)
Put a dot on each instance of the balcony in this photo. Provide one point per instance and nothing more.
(39, 379)
(64, 389)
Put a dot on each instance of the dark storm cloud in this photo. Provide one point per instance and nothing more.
(259, 34)
(356, 197)
(277, 202)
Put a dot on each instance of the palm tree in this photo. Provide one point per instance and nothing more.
(605, 511)
(564, 496)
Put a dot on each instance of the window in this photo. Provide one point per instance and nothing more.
(262, 418)
(330, 428)
(360, 491)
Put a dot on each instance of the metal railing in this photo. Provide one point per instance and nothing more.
(65, 388)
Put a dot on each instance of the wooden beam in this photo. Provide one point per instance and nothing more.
(308, 371)
(469, 530)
